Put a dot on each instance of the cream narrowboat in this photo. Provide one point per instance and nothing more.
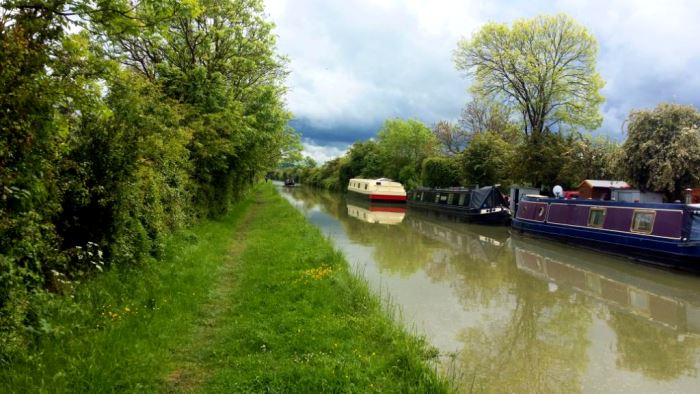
(376, 190)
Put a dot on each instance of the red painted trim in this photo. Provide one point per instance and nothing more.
(387, 209)
(386, 197)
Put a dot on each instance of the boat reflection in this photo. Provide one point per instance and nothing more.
(639, 291)
(376, 213)
(483, 243)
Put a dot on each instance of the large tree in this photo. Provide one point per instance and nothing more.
(662, 150)
(543, 68)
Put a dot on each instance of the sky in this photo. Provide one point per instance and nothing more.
(355, 63)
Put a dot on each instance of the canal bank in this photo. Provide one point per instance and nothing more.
(516, 314)
(257, 301)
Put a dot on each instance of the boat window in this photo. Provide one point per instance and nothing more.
(540, 212)
(461, 198)
(596, 217)
(450, 197)
(437, 197)
(643, 221)
(365, 186)
(695, 227)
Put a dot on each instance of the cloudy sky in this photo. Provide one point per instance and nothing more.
(355, 63)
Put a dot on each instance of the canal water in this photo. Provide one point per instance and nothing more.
(516, 314)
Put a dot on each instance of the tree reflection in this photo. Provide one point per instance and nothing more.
(652, 349)
(540, 346)
(398, 249)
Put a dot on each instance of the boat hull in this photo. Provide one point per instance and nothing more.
(492, 216)
(377, 197)
(656, 251)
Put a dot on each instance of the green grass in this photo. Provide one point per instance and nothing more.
(255, 302)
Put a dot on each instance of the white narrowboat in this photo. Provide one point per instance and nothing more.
(376, 190)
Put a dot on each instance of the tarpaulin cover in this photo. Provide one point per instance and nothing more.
(486, 197)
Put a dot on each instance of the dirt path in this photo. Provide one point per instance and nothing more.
(189, 372)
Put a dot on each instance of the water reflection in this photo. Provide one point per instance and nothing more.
(656, 317)
(523, 315)
(376, 213)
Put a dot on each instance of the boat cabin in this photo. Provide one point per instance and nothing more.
(599, 189)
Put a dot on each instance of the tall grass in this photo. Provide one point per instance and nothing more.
(258, 301)
(117, 332)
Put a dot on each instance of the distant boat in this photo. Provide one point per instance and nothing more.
(484, 205)
(376, 190)
(289, 182)
(666, 234)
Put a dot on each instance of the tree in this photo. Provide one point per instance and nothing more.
(404, 145)
(218, 58)
(440, 172)
(453, 138)
(543, 68)
(586, 157)
(662, 150)
(480, 116)
(487, 160)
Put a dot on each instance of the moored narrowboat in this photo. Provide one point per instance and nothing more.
(484, 205)
(666, 234)
(377, 190)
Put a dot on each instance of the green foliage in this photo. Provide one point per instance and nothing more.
(586, 157)
(539, 160)
(662, 150)
(99, 161)
(398, 154)
(543, 67)
(30, 145)
(487, 160)
(440, 172)
(404, 144)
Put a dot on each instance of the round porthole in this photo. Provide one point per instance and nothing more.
(540, 212)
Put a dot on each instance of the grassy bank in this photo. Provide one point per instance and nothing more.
(257, 301)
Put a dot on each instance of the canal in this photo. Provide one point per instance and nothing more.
(516, 314)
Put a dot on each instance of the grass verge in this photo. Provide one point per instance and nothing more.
(256, 302)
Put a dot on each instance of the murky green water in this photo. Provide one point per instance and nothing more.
(516, 314)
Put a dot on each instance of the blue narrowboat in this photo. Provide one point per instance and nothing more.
(666, 234)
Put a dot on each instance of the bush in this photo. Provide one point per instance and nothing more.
(440, 172)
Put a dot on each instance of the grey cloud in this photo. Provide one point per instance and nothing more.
(356, 63)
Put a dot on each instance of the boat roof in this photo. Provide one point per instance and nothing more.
(451, 189)
(373, 180)
(610, 203)
(606, 183)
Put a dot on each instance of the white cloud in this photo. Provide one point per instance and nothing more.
(322, 153)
